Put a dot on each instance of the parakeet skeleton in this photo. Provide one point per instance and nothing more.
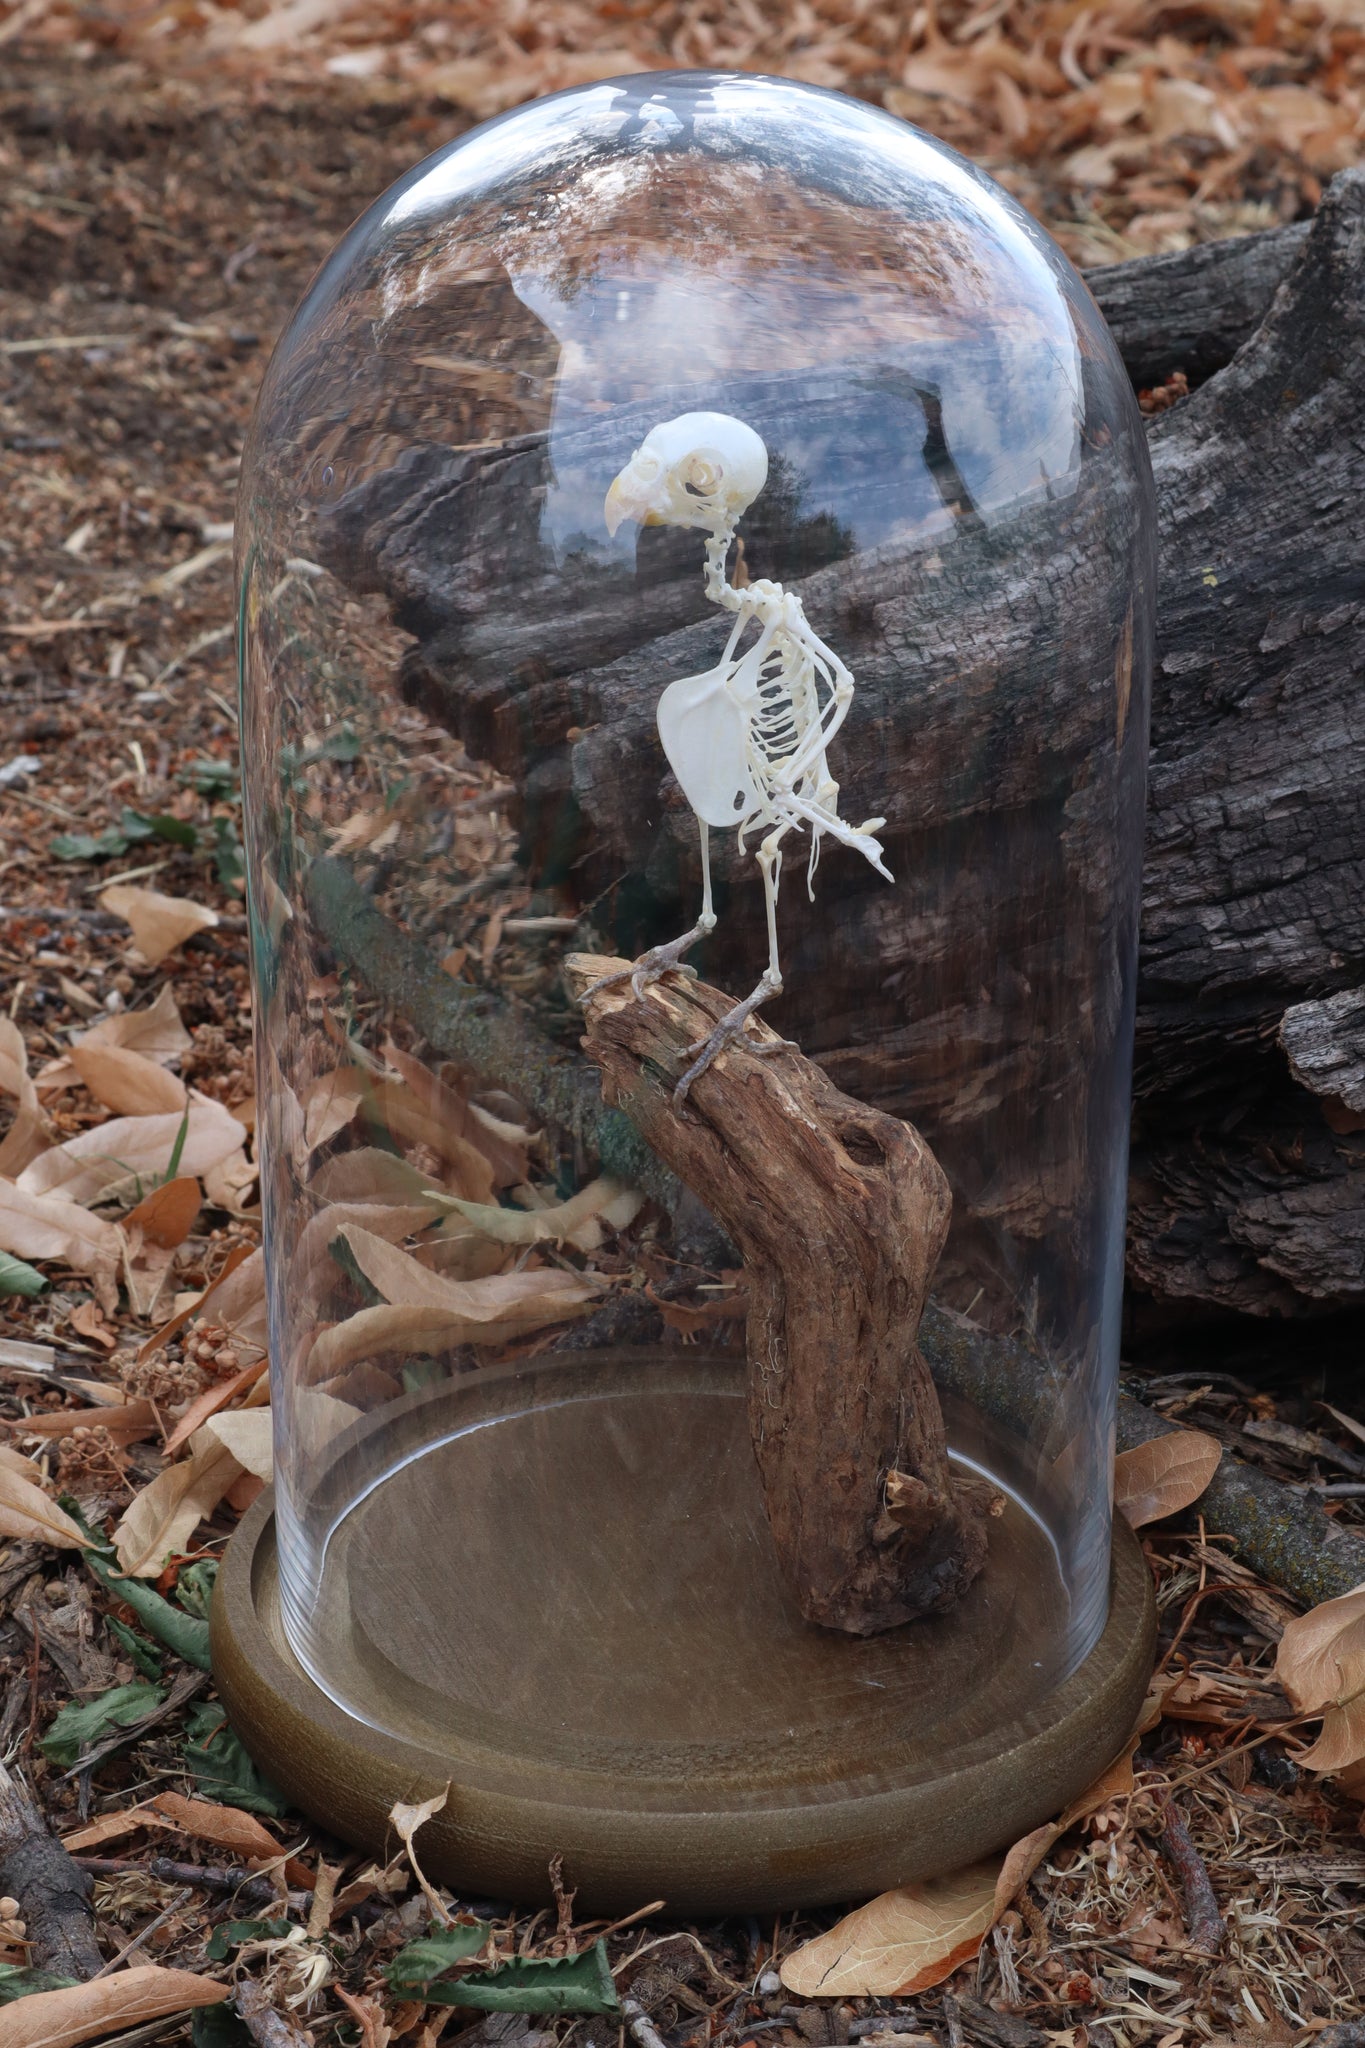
(748, 739)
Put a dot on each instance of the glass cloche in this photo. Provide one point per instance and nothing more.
(696, 585)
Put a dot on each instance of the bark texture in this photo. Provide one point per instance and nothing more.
(53, 1892)
(840, 1213)
(1247, 1186)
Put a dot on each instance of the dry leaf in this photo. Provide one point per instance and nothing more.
(210, 1401)
(105, 2006)
(428, 1313)
(126, 1421)
(329, 1102)
(903, 1942)
(1164, 1475)
(160, 923)
(30, 1133)
(1321, 1665)
(108, 1828)
(406, 1820)
(126, 1081)
(228, 1184)
(238, 1296)
(26, 1512)
(435, 1117)
(132, 1149)
(247, 1433)
(371, 1175)
(570, 1222)
(35, 1226)
(87, 1322)
(226, 1826)
(166, 1216)
(160, 1521)
(503, 1145)
(375, 2031)
(155, 1032)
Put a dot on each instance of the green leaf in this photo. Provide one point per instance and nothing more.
(223, 1769)
(137, 826)
(181, 1632)
(135, 1646)
(217, 2026)
(81, 846)
(16, 1277)
(80, 1724)
(194, 1586)
(177, 1148)
(581, 1983)
(18, 1981)
(212, 778)
(228, 853)
(233, 1933)
(420, 1961)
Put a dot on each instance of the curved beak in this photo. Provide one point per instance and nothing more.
(629, 498)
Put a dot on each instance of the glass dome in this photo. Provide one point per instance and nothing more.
(669, 477)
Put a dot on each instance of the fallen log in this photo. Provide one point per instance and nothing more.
(1247, 1189)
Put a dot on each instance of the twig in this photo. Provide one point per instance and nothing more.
(641, 2026)
(1206, 1926)
(262, 2021)
(184, 1688)
(139, 1940)
(244, 1884)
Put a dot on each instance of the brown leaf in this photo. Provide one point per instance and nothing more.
(160, 923)
(208, 1822)
(159, 1522)
(126, 1421)
(155, 1032)
(87, 1322)
(166, 1216)
(108, 1828)
(132, 1149)
(1321, 1665)
(36, 1226)
(210, 1401)
(26, 1512)
(245, 1269)
(1164, 1475)
(903, 1942)
(30, 1133)
(247, 1433)
(107, 2005)
(127, 1082)
(572, 1222)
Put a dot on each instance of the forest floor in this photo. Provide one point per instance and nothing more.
(158, 225)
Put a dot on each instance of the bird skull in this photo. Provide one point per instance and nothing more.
(702, 469)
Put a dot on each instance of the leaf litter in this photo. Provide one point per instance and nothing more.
(122, 934)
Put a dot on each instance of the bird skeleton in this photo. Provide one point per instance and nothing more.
(748, 740)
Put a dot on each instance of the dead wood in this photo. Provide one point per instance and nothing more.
(53, 1893)
(1244, 1193)
(840, 1213)
(261, 2020)
(1193, 309)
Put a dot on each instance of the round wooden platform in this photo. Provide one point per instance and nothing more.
(563, 1601)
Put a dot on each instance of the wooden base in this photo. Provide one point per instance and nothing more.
(568, 1607)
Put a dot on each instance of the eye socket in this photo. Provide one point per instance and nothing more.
(701, 479)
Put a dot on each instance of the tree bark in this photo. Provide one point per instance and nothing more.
(840, 1213)
(53, 1893)
(1247, 1187)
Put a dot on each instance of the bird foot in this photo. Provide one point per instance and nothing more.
(651, 966)
(730, 1027)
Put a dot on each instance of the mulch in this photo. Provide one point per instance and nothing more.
(171, 181)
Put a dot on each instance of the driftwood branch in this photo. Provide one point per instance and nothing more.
(53, 1892)
(840, 1213)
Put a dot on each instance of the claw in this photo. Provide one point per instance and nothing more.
(730, 1027)
(651, 966)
